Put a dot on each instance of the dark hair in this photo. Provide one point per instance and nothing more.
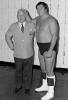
(43, 4)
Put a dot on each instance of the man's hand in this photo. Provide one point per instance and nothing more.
(48, 54)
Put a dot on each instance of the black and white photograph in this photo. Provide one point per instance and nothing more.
(33, 49)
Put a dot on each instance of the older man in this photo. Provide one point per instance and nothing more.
(20, 38)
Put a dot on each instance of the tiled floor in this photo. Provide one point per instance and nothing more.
(7, 81)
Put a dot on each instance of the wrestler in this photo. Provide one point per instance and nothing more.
(47, 33)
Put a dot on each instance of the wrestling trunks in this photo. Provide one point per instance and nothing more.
(43, 47)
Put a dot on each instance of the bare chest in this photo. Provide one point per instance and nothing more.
(42, 26)
(42, 31)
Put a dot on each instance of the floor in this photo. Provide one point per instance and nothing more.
(7, 84)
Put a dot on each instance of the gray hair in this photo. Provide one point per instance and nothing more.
(22, 10)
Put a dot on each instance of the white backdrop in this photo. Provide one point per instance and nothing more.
(58, 8)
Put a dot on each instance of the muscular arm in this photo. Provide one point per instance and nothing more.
(34, 20)
(8, 38)
(54, 30)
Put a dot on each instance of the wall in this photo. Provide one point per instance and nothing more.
(58, 8)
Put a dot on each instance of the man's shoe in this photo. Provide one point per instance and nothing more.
(43, 87)
(27, 91)
(49, 95)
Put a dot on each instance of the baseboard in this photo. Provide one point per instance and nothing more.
(12, 65)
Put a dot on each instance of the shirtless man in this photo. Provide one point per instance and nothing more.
(47, 30)
(20, 38)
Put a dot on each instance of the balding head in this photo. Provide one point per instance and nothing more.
(21, 15)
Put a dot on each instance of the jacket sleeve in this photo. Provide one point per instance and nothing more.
(9, 37)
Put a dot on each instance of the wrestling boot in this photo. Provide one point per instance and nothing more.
(50, 94)
(44, 86)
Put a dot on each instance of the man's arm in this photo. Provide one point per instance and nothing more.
(35, 19)
(54, 30)
(8, 38)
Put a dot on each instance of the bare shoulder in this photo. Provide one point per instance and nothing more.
(53, 25)
(53, 21)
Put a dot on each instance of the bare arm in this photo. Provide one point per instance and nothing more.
(54, 29)
(8, 38)
(35, 19)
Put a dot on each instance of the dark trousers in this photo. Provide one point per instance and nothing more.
(23, 72)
